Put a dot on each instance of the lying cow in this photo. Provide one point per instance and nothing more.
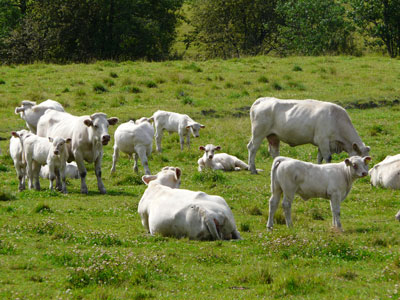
(330, 181)
(71, 171)
(297, 122)
(169, 211)
(219, 161)
(31, 112)
(40, 151)
(17, 155)
(387, 173)
(174, 122)
(88, 133)
(134, 138)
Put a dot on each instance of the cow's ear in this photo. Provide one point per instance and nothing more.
(88, 122)
(68, 140)
(347, 162)
(14, 134)
(178, 173)
(147, 178)
(218, 148)
(113, 121)
(51, 139)
(202, 126)
(202, 148)
(367, 159)
(187, 127)
(368, 148)
(356, 148)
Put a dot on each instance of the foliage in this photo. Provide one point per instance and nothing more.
(379, 19)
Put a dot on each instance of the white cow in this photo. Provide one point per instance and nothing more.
(298, 122)
(330, 181)
(134, 138)
(39, 151)
(17, 155)
(169, 211)
(71, 171)
(219, 161)
(387, 173)
(31, 112)
(174, 122)
(88, 134)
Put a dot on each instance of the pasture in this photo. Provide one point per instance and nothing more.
(94, 246)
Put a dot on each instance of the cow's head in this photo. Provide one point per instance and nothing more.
(195, 128)
(59, 145)
(99, 123)
(168, 176)
(360, 150)
(26, 104)
(358, 165)
(210, 150)
(22, 134)
(142, 120)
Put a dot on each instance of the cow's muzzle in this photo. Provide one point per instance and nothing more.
(364, 174)
(210, 157)
(105, 139)
(56, 152)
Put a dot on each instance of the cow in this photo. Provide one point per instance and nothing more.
(219, 161)
(330, 181)
(39, 151)
(174, 122)
(297, 122)
(31, 112)
(71, 171)
(169, 211)
(88, 133)
(387, 173)
(134, 138)
(17, 155)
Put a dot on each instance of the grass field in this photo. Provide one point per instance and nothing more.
(94, 247)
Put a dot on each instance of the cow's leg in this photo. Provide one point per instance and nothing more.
(62, 178)
(135, 164)
(97, 169)
(181, 139)
(58, 180)
(52, 176)
(335, 207)
(273, 205)
(21, 176)
(287, 207)
(82, 171)
(115, 158)
(324, 151)
(319, 157)
(273, 145)
(188, 139)
(35, 173)
(252, 147)
(28, 159)
(141, 152)
(159, 136)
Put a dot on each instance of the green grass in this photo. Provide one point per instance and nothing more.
(94, 246)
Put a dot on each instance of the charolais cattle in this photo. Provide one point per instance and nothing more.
(17, 155)
(387, 173)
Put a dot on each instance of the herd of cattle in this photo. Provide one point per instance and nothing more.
(58, 143)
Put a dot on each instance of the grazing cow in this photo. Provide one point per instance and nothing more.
(220, 161)
(17, 155)
(31, 112)
(53, 152)
(71, 171)
(330, 181)
(134, 138)
(297, 122)
(174, 122)
(88, 133)
(387, 173)
(169, 211)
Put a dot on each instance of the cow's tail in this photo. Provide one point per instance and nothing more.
(275, 165)
(211, 223)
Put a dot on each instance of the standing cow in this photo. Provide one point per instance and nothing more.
(298, 122)
(89, 134)
(17, 155)
(31, 112)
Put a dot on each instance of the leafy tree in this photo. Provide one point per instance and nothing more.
(379, 19)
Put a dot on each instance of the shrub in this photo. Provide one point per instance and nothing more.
(98, 88)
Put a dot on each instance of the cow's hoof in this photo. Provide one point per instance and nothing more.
(84, 191)
(269, 229)
(103, 191)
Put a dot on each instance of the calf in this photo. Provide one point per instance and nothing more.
(53, 152)
(17, 155)
(31, 112)
(387, 173)
(169, 211)
(330, 181)
(220, 161)
(71, 171)
(134, 138)
(174, 122)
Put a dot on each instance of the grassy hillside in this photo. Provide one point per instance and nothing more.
(94, 246)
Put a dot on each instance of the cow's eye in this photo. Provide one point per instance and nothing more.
(355, 166)
(95, 126)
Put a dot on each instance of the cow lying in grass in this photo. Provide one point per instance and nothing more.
(219, 161)
(167, 210)
(330, 181)
(387, 173)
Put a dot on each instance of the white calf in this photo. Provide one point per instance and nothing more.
(387, 173)
(220, 161)
(169, 211)
(330, 181)
(17, 155)
(174, 122)
(71, 171)
(134, 138)
(40, 151)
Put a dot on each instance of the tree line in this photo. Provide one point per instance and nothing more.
(84, 30)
